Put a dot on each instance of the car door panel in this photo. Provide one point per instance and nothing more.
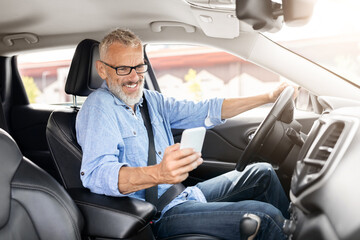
(28, 126)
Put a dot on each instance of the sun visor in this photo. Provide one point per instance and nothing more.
(219, 24)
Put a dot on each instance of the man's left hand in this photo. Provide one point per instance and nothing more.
(273, 95)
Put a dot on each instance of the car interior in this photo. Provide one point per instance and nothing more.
(312, 141)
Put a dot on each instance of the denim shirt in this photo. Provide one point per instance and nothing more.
(112, 135)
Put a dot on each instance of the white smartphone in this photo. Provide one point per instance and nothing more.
(193, 138)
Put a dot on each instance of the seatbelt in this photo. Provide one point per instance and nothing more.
(151, 194)
(169, 195)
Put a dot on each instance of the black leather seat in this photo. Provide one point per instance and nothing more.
(32, 204)
(60, 131)
(61, 137)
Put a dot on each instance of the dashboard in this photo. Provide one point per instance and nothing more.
(325, 196)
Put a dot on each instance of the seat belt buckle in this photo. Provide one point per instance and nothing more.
(157, 215)
(155, 218)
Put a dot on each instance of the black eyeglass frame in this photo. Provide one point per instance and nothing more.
(129, 67)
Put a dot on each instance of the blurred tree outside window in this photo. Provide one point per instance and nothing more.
(44, 75)
(193, 84)
(31, 89)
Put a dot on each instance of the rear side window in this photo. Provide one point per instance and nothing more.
(44, 75)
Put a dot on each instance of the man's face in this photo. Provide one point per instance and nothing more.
(128, 88)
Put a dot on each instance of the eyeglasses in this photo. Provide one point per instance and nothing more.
(126, 70)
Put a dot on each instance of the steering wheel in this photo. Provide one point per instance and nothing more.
(282, 110)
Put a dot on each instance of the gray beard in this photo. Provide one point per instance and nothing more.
(130, 101)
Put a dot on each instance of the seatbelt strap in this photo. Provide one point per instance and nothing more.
(151, 194)
(169, 195)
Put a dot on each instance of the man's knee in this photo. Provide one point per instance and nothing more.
(262, 169)
(262, 166)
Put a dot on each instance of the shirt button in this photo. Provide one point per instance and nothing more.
(134, 133)
(159, 152)
(133, 114)
(82, 173)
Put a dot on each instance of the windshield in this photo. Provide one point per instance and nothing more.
(331, 38)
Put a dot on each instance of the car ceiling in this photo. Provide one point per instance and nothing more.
(66, 22)
(68, 16)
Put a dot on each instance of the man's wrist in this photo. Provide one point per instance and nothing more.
(153, 174)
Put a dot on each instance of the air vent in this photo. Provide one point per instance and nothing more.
(309, 170)
(327, 142)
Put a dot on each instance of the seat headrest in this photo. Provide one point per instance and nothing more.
(83, 77)
(10, 159)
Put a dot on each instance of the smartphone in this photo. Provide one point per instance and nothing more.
(193, 138)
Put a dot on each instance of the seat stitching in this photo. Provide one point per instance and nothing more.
(68, 139)
(51, 193)
(60, 142)
(28, 215)
(53, 155)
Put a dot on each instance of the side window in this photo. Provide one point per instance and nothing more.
(44, 75)
(197, 73)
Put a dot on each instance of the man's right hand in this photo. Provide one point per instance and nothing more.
(177, 163)
(174, 168)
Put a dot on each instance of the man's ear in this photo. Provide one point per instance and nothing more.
(100, 69)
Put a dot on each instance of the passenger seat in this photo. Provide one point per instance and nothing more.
(32, 204)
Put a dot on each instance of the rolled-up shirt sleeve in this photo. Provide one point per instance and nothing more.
(103, 153)
(213, 117)
(186, 114)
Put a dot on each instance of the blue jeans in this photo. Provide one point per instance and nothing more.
(255, 190)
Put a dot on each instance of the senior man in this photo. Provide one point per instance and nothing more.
(110, 129)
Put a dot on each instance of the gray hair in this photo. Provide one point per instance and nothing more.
(125, 37)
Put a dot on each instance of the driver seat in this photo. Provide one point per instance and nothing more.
(60, 131)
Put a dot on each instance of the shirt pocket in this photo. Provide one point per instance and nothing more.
(161, 137)
(133, 149)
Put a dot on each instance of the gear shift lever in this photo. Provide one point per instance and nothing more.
(249, 226)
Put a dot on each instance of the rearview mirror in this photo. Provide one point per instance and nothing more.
(297, 12)
(259, 14)
(266, 15)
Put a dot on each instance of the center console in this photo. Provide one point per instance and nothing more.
(324, 189)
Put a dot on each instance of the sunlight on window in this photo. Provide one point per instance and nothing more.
(331, 38)
(44, 75)
(198, 73)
